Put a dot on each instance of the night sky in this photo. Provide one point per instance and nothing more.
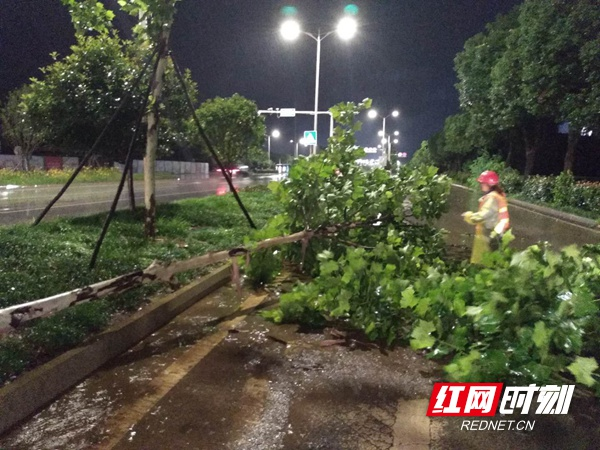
(402, 56)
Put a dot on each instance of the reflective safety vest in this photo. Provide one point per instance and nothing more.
(503, 223)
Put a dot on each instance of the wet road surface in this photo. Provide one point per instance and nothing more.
(220, 377)
(20, 204)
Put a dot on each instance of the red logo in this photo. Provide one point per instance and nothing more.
(464, 399)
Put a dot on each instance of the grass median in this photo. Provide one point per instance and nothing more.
(36, 262)
(60, 176)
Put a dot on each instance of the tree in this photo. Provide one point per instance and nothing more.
(422, 157)
(535, 67)
(555, 79)
(458, 142)
(234, 127)
(156, 19)
(473, 68)
(19, 127)
(78, 95)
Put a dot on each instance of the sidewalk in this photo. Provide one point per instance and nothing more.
(220, 377)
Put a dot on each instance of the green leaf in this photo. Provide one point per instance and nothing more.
(329, 267)
(408, 298)
(421, 335)
(541, 337)
(507, 238)
(582, 369)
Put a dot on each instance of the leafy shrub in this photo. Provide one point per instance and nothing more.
(264, 266)
(538, 188)
(586, 195)
(14, 357)
(523, 318)
(562, 192)
(512, 181)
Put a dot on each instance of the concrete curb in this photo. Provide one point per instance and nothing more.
(35, 389)
(553, 213)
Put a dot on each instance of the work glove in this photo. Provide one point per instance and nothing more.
(467, 217)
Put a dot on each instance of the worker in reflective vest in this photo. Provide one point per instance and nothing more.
(491, 220)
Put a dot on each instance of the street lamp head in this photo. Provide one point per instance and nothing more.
(380, 133)
(347, 28)
(396, 141)
(395, 113)
(372, 114)
(290, 30)
(275, 134)
(384, 141)
(396, 133)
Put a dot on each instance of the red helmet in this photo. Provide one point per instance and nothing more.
(489, 177)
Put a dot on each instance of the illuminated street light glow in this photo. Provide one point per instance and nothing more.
(396, 141)
(347, 28)
(380, 133)
(396, 133)
(275, 134)
(384, 141)
(290, 30)
(351, 9)
(372, 114)
(395, 113)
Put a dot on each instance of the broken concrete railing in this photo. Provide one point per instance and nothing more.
(13, 316)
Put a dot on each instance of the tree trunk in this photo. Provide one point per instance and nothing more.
(532, 144)
(130, 187)
(574, 137)
(25, 162)
(152, 135)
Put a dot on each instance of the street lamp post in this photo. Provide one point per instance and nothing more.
(275, 134)
(290, 30)
(372, 115)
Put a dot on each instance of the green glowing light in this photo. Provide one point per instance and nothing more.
(351, 9)
(289, 11)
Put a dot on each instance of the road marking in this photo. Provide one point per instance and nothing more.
(411, 430)
(128, 416)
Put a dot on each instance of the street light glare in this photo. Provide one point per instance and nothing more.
(275, 134)
(290, 30)
(380, 133)
(395, 113)
(347, 28)
(395, 141)
(396, 133)
(372, 114)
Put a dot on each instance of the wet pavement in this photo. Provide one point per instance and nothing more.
(221, 377)
(20, 204)
(528, 226)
